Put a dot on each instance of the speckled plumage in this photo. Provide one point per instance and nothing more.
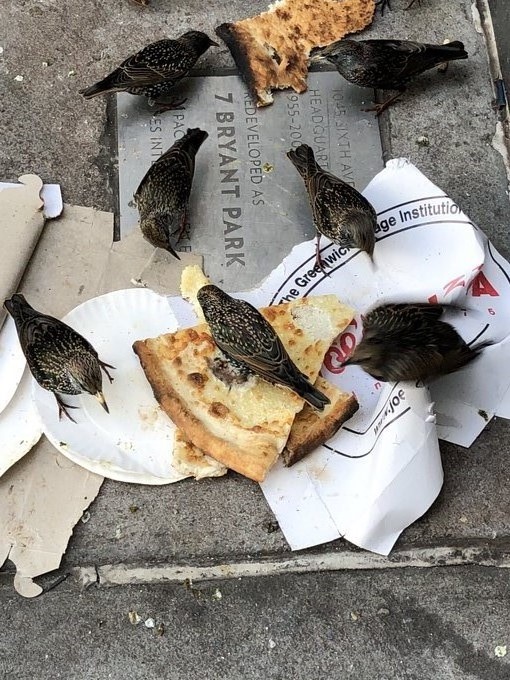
(156, 69)
(60, 359)
(340, 212)
(163, 194)
(386, 64)
(410, 342)
(245, 337)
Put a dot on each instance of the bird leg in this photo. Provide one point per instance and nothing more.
(104, 367)
(183, 231)
(318, 259)
(62, 408)
(383, 4)
(171, 105)
(412, 3)
(379, 108)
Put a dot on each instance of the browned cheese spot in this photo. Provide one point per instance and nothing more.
(197, 379)
(218, 409)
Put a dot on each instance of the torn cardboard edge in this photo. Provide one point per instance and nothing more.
(34, 530)
(77, 258)
(133, 261)
(21, 224)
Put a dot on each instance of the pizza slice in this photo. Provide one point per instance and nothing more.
(241, 421)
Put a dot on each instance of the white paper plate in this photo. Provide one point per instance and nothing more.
(12, 362)
(20, 426)
(133, 443)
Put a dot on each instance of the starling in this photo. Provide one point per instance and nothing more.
(340, 212)
(247, 339)
(155, 70)
(410, 342)
(59, 358)
(163, 194)
(386, 64)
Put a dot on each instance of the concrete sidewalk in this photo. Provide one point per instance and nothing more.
(410, 624)
(441, 623)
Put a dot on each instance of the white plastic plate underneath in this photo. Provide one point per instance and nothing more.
(134, 442)
(12, 362)
(20, 426)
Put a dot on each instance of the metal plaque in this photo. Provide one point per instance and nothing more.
(248, 205)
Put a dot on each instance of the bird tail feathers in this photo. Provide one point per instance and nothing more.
(449, 51)
(455, 49)
(102, 87)
(313, 396)
(194, 138)
(303, 159)
(18, 307)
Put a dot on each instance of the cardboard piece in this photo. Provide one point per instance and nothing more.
(69, 261)
(74, 260)
(65, 268)
(22, 207)
(134, 262)
(34, 530)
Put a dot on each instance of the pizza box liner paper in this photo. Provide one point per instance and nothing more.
(383, 470)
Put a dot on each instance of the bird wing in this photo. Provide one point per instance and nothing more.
(330, 196)
(401, 59)
(46, 343)
(179, 155)
(415, 364)
(269, 365)
(261, 349)
(36, 328)
(392, 318)
(183, 165)
(147, 68)
(48, 328)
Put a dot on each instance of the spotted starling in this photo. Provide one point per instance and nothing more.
(246, 338)
(60, 359)
(340, 212)
(410, 342)
(386, 64)
(156, 69)
(163, 194)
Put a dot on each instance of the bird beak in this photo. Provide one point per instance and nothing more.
(214, 44)
(316, 55)
(172, 251)
(100, 397)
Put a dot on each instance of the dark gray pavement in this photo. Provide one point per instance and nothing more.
(442, 622)
(414, 624)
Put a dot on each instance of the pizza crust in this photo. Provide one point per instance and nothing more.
(190, 461)
(312, 429)
(271, 50)
(245, 424)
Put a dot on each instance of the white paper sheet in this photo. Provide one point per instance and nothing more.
(383, 469)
